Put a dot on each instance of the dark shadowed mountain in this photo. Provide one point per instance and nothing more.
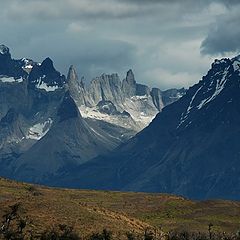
(69, 142)
(191, 148)
(42, 132)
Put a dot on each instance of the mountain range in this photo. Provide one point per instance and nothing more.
(120, 135)
(50, 123)
(191, 148)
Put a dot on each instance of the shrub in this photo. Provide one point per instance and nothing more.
(105, 235)
(13, 225)
(130, 236)
(62, 232)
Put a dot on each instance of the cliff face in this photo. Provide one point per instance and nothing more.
(127, 96)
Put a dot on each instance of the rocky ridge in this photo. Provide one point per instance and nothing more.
(42, 131)
(135, 105)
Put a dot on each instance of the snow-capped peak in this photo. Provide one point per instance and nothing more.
(218, 88)
(210, 87)
(46, 77)
(220, 61)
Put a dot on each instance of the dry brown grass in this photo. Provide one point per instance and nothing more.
(92, 211)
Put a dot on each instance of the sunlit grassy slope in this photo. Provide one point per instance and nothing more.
(91, 211)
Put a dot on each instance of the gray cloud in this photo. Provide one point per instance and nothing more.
(230, 3)
(224, 36)
(159, 39)
(90, 57)
(74, 9)
(104, 9)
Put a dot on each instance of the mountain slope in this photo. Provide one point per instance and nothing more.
(190, 148)
(119, 212)
(41, 129)
(69, 142)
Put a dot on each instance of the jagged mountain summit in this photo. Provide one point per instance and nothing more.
(44, 76)
(124, 103)
(191, 148)
(49, 123)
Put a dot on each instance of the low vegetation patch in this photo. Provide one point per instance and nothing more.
(36, 212)
(14, 226)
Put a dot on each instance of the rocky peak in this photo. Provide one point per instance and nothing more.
(218, 65)
(129, 84)
(5, 57)
(4, 50)
(68, 108)
(130, 77)
(76, 87)
(72, 74)
(215, 89)
(44, 76)
(47, 66)
(107, 79)
(10, 67)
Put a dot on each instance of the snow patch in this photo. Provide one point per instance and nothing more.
(140, 107)
(39, 130)
(191, 102)
(185, 116)
(178, 96)
(28, 66)
(219, 87)
(10, 79)
(42, 85)
(45, 87)
(119, 120)
(136, 98)
(216, 62)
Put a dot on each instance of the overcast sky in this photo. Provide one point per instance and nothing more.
(167, 43)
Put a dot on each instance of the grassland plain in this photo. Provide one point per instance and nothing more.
(119, 212)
